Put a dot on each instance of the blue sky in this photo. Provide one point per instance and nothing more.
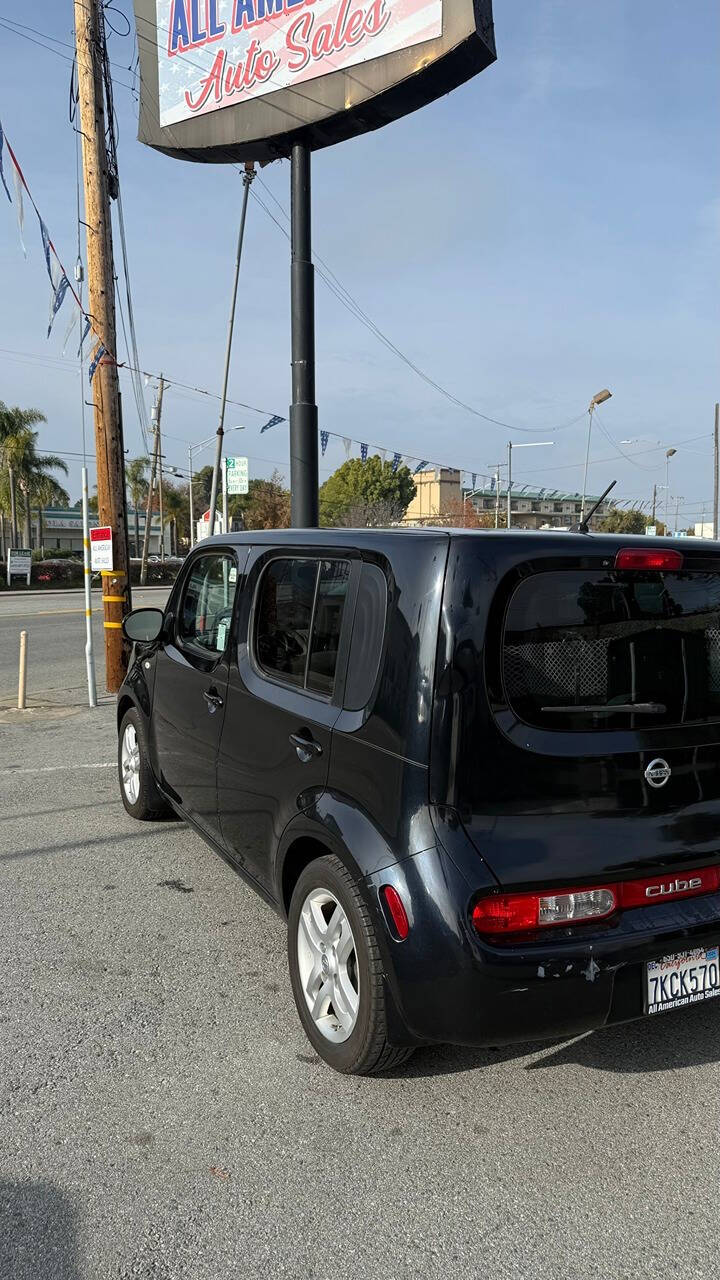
(549, 229)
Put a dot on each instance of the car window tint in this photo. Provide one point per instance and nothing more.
(367, 637)
(283, 618)
(207, 603)
(327, 624)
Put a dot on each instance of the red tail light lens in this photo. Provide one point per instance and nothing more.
(398, 914)
(644, 558)
(508, 913)
(522, 912)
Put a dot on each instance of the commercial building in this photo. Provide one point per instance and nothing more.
(440, 498)
(60, 529)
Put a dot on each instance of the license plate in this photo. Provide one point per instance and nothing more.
(686, 978)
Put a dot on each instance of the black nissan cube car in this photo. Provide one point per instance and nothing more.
(478, 773)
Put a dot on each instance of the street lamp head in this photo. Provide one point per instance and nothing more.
(600, 398)
(670, 453)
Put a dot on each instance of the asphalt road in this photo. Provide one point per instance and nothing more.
(162, 1115)
(55, 622)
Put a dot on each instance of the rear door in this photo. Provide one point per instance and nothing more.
(583, 734)
(283, 698)
(191, 685)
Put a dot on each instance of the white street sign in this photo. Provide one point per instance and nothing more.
(19, 562)
(236, 470)
(101, 549)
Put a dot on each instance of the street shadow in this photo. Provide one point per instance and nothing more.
(665, 1042)
(37, 1232)
(75, 846)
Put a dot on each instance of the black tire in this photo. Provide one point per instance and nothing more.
(366, 1051)
(149, 804)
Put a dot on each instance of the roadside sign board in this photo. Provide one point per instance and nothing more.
(19, 563)
(101, 548)
(236, 470)
(651, 531)
(232, 80)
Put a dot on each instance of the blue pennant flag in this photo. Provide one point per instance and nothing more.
(85, 333)
(492, 484)
(46, 245)
(2, 175)
(420, 466)
(272, 422)
(363, 452)
(95, 361)
(57, 299)
(324, 437)
(397, 459)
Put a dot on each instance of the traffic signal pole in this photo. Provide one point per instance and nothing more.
(303, 410)
(112, 507)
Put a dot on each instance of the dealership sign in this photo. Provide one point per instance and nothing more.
(243, 79)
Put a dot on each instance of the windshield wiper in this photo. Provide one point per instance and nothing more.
(643, 708)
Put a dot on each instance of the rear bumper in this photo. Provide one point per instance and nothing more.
(450, 986)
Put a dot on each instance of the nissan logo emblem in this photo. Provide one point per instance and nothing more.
(657, 772)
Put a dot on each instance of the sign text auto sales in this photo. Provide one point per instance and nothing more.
(220, 52)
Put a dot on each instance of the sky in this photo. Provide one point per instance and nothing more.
(547, 230)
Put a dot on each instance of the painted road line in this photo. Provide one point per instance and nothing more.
(61, 768)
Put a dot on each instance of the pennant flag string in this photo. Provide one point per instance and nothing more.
(363, 452)
(324, 437)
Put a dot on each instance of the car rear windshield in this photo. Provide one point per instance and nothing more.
(607, 650)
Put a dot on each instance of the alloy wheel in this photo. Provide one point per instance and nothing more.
(130, 764)
(327, 961)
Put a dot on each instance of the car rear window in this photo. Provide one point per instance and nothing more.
(602, 650)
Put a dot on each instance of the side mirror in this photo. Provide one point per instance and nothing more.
(143, 625)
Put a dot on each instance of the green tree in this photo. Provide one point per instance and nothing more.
(366, 493)
(617, 521)
(176, 512)
(25, 469)
(202, 490)
(266, 505)
(137, 487)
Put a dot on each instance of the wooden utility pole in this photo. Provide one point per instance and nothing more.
(112, 505)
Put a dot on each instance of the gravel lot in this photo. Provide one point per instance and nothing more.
(162, 1115)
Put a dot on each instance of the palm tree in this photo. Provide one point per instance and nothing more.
(137, 487)
(27, 470)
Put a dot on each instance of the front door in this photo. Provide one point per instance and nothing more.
(191, 685)
(282, 700)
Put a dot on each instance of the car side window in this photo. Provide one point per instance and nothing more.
(298, 621)
(207, 604)
(367, 638)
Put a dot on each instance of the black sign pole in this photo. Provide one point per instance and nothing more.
(303, 410)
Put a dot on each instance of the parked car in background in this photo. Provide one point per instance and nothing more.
(477, 773)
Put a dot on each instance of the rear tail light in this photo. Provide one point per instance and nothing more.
(396, 910)
(521, 912)
(644, 558)
(507, 913)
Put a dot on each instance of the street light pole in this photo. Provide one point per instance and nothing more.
(192, 514)
(528, 444)
(248, 176)
(597, 399)
(668, 455)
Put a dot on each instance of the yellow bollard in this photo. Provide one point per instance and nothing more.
(22, 679)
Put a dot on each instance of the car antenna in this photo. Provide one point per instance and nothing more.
(583, 526)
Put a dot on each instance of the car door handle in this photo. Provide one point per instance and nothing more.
(213, 699)
(307, 748)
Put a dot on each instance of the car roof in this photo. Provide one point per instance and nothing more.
(597, 542)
